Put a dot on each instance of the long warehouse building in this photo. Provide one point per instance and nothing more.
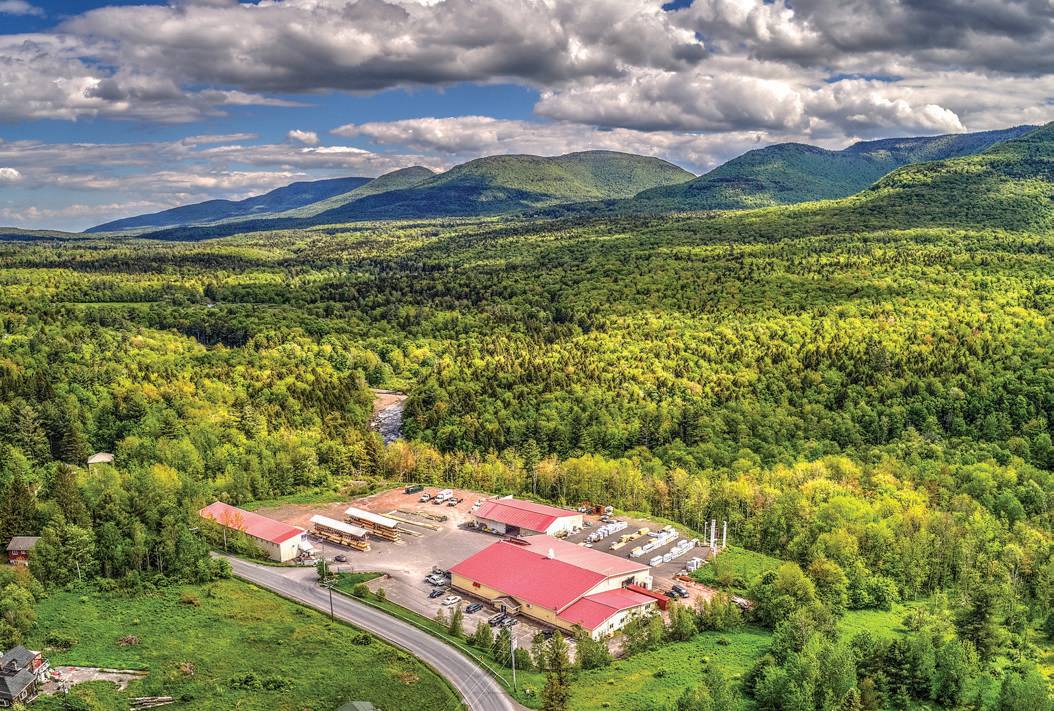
(515, 517)
(557, 583)
(280, 541)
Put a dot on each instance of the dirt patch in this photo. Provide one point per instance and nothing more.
(64, 677)
(383, 399)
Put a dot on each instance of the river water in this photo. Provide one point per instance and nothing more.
(387, 419)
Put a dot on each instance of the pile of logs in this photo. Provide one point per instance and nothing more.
(150, 702)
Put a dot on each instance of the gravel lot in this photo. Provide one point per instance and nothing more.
(443, 544)
(406, 563)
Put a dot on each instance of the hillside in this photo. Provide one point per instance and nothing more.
(510, 183)
(396, 180)
(284, 198)
(789, 173)
(1008, 186)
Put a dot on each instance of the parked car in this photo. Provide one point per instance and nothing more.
(496, 620)
(548, 633)
(671, 594)
(508, 622)
(474, 607)
(413, 489)
(453, 502)
(425, 497)
(451, 600)
(435, 593)
(435, 579)
(341, 558)
(680, 590)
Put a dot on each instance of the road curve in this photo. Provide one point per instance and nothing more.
(478, 689)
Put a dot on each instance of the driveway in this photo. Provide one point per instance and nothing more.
(478, 689)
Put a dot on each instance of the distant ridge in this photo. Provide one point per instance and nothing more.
(494, 185)
(284, 198)
(510, 183)
(789, 173)
(1010, 186)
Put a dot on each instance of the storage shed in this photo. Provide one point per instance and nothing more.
(513, 517)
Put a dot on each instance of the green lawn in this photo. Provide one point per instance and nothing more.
(737, 567)
(235, 629)
(652, 681)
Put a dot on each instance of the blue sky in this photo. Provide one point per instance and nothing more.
(120, 107)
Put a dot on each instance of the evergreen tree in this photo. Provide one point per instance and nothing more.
(482, 637)
(456, 624)
(18, 516)
(557, 691)
(851, 701)
(502, 647)
(976, 622)
(67, 495)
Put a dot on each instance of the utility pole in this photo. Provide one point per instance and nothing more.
(326, 582)
(512, 654)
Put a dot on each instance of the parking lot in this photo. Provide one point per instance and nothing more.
(665, 574)
(428, 542)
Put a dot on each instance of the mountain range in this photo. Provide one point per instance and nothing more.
(789, 173)
(507, 184)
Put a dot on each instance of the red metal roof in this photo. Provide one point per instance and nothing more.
(589, 558)
(523, 514)
(523, 573)
(594, 610)
(254, 524)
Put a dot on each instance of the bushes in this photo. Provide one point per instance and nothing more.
(251, 681)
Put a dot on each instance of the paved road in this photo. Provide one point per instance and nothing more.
(479, 690)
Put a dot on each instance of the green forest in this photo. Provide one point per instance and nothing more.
(862, 388)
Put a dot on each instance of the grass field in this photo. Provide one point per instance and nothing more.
(652, 681)
(198, 652)
(736, 568)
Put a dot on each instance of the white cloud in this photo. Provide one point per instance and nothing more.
(9, 175)
(308, 138)
(815, 67)
(19, 7)
(454, 140)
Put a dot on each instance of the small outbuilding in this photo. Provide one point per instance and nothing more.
(18, 549)
(279, 540)
(513, 517)
(100, 458)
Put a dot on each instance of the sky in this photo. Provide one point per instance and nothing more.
(114, 108)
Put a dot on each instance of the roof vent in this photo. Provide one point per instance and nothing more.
(552, 554)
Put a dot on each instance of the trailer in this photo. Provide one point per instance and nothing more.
(339, 532)
(375, 524)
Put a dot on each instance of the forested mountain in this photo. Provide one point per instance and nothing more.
(485, 186)
(793, 172)
(861, 387)
(280, 199)
(510, 183)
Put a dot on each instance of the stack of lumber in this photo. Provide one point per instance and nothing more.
(339, 532)
(377, 525)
